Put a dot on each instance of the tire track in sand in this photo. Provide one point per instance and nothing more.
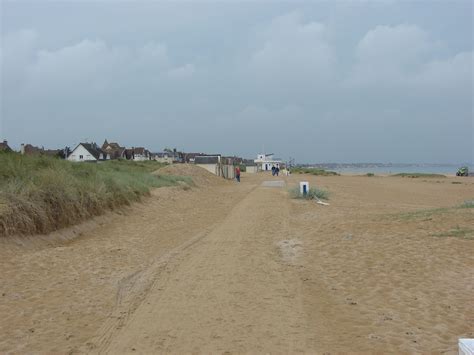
(227, 291)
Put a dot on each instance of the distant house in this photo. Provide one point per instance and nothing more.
(164, 157)
(28, 149)
(191, 157)
(4, 147)
(217, 165)
(265, 162)
(137, 154)
(168, 157)
(113, 149)
(88, 152)
(250, 166)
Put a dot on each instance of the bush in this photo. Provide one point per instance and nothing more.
(313, 194)
(39, 194)
(370, 174)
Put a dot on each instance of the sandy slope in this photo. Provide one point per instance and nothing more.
(241, 267)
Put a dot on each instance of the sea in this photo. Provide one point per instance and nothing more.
(356, 169)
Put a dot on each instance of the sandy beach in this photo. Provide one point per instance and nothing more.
(387, 267)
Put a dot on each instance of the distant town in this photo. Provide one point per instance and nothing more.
(92, 152)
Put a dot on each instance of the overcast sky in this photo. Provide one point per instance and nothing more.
(339, 81)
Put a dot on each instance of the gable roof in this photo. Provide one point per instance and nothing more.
(93, 149)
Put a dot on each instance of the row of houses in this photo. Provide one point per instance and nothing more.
(91, 152)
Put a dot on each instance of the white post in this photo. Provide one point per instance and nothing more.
(304, 187)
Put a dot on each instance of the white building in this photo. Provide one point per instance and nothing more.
(87, 152)
(265, 162)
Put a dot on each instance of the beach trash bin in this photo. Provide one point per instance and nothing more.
(304, 187)
(466, 346)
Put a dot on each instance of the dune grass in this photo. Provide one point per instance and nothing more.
(314, 171)
(427, 214)
(419, 175)
(457, 232)
(313, 194)
(41, 194)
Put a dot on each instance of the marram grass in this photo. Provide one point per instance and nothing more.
(41, 194)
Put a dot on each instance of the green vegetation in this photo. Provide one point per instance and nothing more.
(313, 193)
(313, 171)
(39, 194)
(429, 213)
(467, 204)
(464, 233)
(420, 175)
(370, 174)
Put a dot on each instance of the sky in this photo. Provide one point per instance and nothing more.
(339, 81)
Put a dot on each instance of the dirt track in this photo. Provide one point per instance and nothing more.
(230, 267)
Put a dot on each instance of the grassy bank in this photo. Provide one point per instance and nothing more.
(313, 171)
(42, 194)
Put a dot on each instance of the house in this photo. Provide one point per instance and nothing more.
(265, 162)
(4, 147)
(217, 165)
(164, 157)
(168, 156)
(88, 152)
(250, 166)
(113, 149)
(28, 149)
(136, 154)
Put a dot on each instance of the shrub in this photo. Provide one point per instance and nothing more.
(313, 193)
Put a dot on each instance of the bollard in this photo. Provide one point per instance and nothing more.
(304, 188)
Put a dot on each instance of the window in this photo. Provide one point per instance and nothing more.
(81, 157)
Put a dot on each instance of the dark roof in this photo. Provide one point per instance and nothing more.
(140, 150)
(29, 149)
(206, 160)
(94, 150)
(130, 153)
(248, 162)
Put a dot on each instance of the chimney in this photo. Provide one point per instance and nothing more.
(5, 141)
(22, 149)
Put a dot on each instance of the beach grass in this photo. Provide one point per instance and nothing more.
(467, 204)
(457, 232)
(429, 213)
(314, 171)
(40, 194)
(419, 175)
(313, 194)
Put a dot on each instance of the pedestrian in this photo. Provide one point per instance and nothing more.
(277, 170)
(273, 170)
(237, 173)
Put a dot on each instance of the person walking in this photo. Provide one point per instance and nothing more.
(237, 173)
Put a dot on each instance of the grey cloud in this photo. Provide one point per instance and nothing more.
(312, 82)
